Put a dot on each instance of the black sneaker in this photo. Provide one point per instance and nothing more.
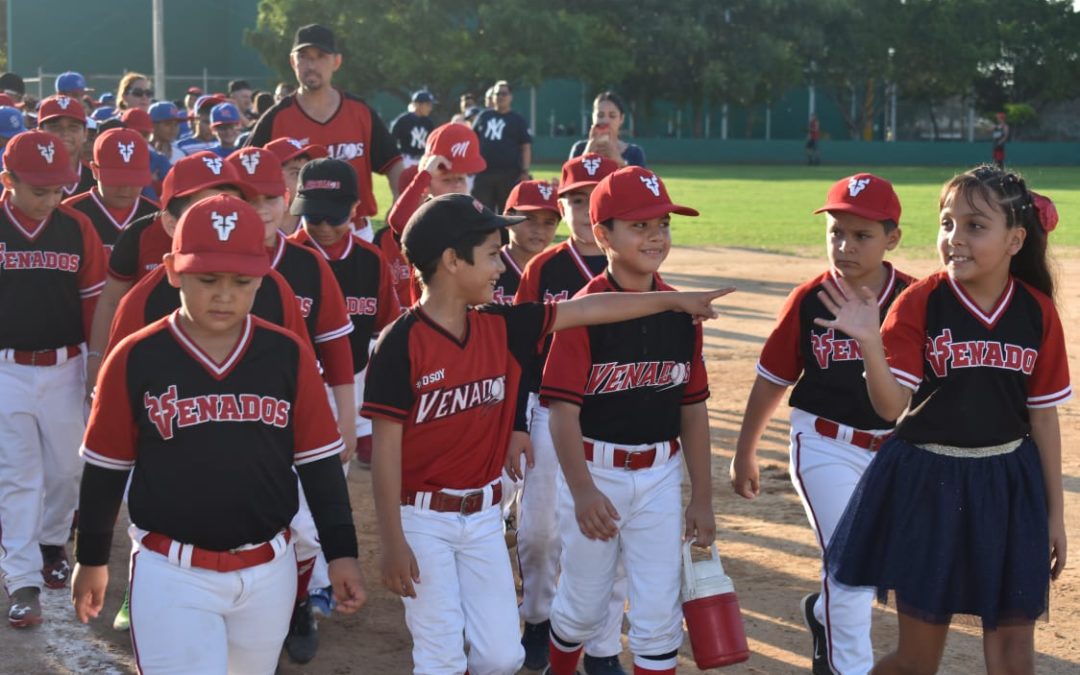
(535, 639)
(603, 665)
(820, 656)
(302, 642)
(55, 568)
(25, 608)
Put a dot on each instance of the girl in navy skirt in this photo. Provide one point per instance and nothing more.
(962, 511)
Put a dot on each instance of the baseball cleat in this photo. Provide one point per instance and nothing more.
(820, 656)
(122, 621)
(603, 665)
(302, 642)
(55, 569)
(535, 639)
(25, 609)
(322, 601)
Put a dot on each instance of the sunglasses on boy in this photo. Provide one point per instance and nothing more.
(327, 220)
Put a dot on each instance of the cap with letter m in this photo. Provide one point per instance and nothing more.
(460, 145)
(220, 234)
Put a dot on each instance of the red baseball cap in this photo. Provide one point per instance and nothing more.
(7, 100)
(220, 234)
(61, 106)
(406, 177)
(290, 148)
(532, 195)
(195, 90)
(459, 144)
(864, 195)
(208, 101)
(40, 159)
(585, 170)
(632, 193)
(200, 171)
(137, 119)
(122, 157)
(261, 169)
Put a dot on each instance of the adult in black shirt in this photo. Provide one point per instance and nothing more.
(506, 145)
(410, 129)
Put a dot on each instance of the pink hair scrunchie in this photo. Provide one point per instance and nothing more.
(1048, 215)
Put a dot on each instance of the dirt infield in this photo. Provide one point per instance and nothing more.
(768, 547)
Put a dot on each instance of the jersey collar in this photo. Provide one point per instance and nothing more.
(279, 250)
(326, 254)
(886, 288)
(217, 370)
(576, 256)
(988, 320)
(108, 214)
(17, 219)
(511, 264)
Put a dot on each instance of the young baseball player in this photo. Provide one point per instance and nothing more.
(52, 268)
(625, 399)
(11, 125)
(211, 396)
(293, 155)
(961, 512)
(441, 391)
(536, 200)
(834, 429)
(202, 137)
(225, 123)
(122, 168)
(554, 275)
(65, 117)
(389, 242)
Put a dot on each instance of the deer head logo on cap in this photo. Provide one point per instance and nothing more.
(223, 224)
(47, 151)
(250, 162)
(653, 183)
(545, 191)
(126, 151)
(855, 186)
(214, 164)
(591, 164)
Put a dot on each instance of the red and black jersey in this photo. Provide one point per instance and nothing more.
(110, 222)
(975, 373)
(153, 297)
(824, 364)
(310, 277)
(51, 273)
(86, 181)
(139, 248)
(354, 133)
(630, 378)
(507, 285)
(400, 270)
(454, 397)
(364, 278)
(558, 273)
(212, 444)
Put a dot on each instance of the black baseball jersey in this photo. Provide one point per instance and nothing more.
(364, 277)
(400, 269)
(411, 131)
(501, 137)
(975, 374)
(107, 222)
(212, 444)
(507, 286)
(139, 248)
(86, 181)
(454, 397)
(49, 273)
(630, 378)
(310, 277)
(824, 364)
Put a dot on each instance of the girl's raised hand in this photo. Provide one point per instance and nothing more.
(856, 312)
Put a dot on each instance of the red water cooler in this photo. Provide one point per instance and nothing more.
(711, 610)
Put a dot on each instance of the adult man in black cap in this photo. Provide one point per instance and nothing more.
(320, 114)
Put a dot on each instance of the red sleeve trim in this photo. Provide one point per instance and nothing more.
(386, 167)
(771, 377)
(104, 462)
(696, 397)
(1050, 400)
(556, 394)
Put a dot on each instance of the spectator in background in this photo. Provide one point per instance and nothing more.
(241, 94)
(608, 115)
(13, 85)
(489, 98)
(813, 134)
(411, 128)
(263, 102)
(166, 118)
(134, 92)
(506, 146)
(466, 102)
(71, 84)
(226, 123)
(282, 90)
(202, 137)
(1000, 136)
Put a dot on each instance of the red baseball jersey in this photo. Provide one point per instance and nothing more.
(824, 364)
(454, 397)
(109, 222)
(507, 285)
(355, 133)
(51, 273)
(630, 378)
(153, 298)
(212, 444)
(365, 281)
(975, 374)
(400, 269)
(139, 248)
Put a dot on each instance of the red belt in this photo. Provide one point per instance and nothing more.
(466, 504)
(44, 357)
(862, 439)
(631, 460)
(218, 561)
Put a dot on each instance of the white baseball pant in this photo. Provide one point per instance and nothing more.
(649, 544)
(190, 620)
(41, 427)
(825, 472)
(465, 595)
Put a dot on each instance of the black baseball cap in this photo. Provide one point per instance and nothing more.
(326, 188)
(314, 35)
(440, 222)
(12, 82)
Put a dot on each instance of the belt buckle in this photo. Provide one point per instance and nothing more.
(626, 462)
(34, 355)
(467, 500)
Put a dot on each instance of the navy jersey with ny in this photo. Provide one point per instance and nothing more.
(824, 364)
(630, 378)
(411, 131)
(975, 373)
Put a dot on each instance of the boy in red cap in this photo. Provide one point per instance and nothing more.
(441, 394)
(212, 386)
(52, 269)
(294, 155)
(65, 117)
(834, 429)
(534, 199)
(625, 399)
(122, 168)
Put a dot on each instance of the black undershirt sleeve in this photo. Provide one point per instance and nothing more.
(99, 502)
(328, 497)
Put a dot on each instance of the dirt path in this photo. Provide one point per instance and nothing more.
(768, 547)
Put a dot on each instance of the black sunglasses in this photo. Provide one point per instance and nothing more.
(327, 220)
(135, 91)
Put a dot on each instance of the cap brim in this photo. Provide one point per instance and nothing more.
(856, 210)
(139, 177)
(531, 207)
(63, 176)
(316, 45)
(274, 189)
(313, 207)
(43, 120)
(655, 211)
(208, 263)
(244, 187)
(563, 189)
(468, 166)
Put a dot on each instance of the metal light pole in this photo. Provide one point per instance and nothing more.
(159, 49)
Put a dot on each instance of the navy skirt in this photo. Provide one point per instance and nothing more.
(949, 535)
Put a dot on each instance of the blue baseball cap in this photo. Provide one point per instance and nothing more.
(422, 96)
(108, 98)
(69, 82)
(11, 122)
(103, 113)
(165, 111)
(224, 113)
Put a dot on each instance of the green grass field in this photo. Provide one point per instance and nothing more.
(769, 207)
